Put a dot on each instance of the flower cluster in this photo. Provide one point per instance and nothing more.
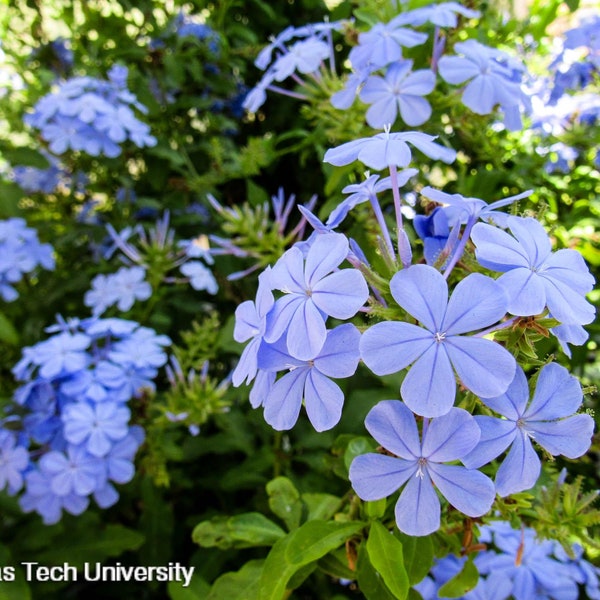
(155, 251)
(442, 334)
(383, 78)
(20, 252)
(91, 115)
(516, 564)
(76, 439)
(289, 334)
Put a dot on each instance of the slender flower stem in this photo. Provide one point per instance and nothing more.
(284, 92)
(509, 323)
(404, 250)
(382, 224)
(460, 248)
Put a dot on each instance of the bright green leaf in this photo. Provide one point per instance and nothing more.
(284, 501)
(418, 555)
(461, 583)
(239, 585)
(197, 590)
(386, 556)
(369, 581)
(321, 506)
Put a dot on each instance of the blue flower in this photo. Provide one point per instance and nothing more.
(95, 426)
(122, 288)
(74, 472)
(548, 419)
(14, 460)
(309, 380)
(200, 276)
(443, 14)
(385, 149)
(304, 56)
(535, 277)
(420, 465)
(61, 354)
(251, 324)
(399, 91)
(493, 76)
(437, 347)
(313, 289)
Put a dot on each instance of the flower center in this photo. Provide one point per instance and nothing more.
(440, 336)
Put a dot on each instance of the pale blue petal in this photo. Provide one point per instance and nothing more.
(524, 585)
(496, 437)
(246, 322)
(456, 70)
(429, 388)
(480, 94)
(568, 267)
(469, 491)
(264, 295)
(376, 476)
(246, 367)
(570, 437)
(275, 357)
(98, 443)
(323, 400)
(525, 291)
(282, 405)
(512, 403)
(557, 394)
(391, 346)
(262, 387)
(450, 436)
(419, 83)
(532, 236)
(382, 112)
(418, 508)
(477, 302)
(341, 294)
(280, 316)
(520, 469)
(327, 252)
(484, 367)
(340, 354)
(346, 153)
(384, 151)
(414, 110)
(427, 146)
(567, 305)
(375, 89)
(287, 274)
(393, 426)
(496, 249)
(422, 291)
(307, 332)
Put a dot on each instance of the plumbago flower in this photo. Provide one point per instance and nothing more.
(437, 347)
(313, 289)
(534, 277)
(548, 419)
(420, 464)
(400, 91)
(494, 79)
(309, 380)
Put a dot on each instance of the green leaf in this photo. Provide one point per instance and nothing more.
(305, 545)
(369, 581)
(284, 501)
(375, 509)
(356, 447)
(239, 585)
(10, 194)
(418, 555)
(336, 564)
(80, 547)
(386, 556)
(321, 506)
(197, 590)
(241, 531)
(461, 583)
(8, 333)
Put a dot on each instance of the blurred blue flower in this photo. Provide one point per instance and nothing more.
(421, 466)
(122, 288)
(14, 460)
